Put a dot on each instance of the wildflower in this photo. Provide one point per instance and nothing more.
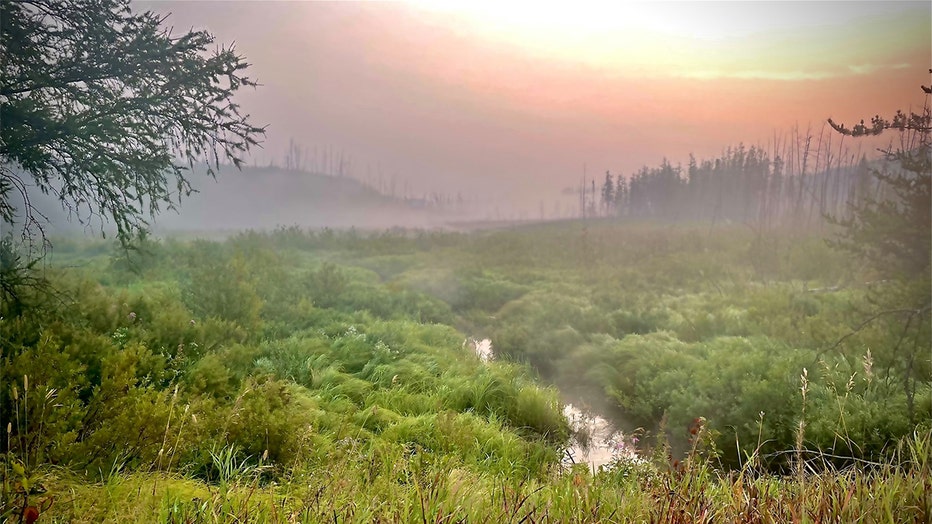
(30, 514)
(132, 316)
(696, 425)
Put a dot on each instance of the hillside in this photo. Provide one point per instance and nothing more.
(264, 198)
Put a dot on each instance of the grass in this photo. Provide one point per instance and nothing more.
(345, 393)
(416, 489)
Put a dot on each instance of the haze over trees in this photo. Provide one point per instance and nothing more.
(109, 111)
(892, 233)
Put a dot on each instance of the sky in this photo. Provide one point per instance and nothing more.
(511, 101)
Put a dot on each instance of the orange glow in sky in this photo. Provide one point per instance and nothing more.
(780, 41)
(513, 97)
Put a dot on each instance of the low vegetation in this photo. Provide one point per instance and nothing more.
(327, 376)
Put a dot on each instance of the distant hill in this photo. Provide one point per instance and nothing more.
(267, 197)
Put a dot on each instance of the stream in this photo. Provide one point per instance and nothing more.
(596, 442)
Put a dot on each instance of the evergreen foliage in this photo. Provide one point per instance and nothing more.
(108, 111)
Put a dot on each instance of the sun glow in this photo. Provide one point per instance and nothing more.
(696, 40)
(630, 36)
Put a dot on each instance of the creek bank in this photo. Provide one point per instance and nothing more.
(595, 440)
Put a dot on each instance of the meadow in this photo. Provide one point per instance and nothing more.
(328, 376)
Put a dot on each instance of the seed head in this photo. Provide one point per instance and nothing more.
(804, 381)
(869, 366)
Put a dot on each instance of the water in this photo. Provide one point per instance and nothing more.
(596, 441)
(591, 443)
(483, 348)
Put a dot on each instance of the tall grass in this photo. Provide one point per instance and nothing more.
(416, 488)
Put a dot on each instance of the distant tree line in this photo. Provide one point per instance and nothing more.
(745, 185)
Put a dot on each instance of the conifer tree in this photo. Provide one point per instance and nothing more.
(608, 194)
(892, 234)
(109, 111)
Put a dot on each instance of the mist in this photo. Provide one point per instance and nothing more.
(516, 109)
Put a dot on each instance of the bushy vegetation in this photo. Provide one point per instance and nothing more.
(307, 376)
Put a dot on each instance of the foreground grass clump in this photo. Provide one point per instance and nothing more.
(417, 488)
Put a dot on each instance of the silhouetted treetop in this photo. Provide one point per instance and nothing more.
(109, 111)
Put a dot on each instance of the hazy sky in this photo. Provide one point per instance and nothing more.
(484, 97)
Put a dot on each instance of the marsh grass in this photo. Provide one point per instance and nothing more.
(416, 488)
(343, 392)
